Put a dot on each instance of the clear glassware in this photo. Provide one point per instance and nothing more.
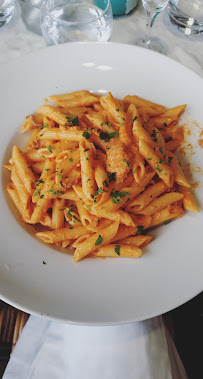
(6, 11)
(30, 14)
(152, 9)
(69, 21)
(187, 15)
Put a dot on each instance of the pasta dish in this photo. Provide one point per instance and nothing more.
(99, 172)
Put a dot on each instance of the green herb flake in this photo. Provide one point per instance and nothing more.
(116, 196)
(107, 136)
(140, 229)
(31, 168)
(50, 149)
(158, 169)
(47, 170)
(44, 263)
(86, 135)
(169, 159)
(74, 120)
(149, 159)
(154, 135)
(117, 249)
(71, 227)
(99, 240)
(111, 176)
(86, 150)
(127, 163)
(162, 151)
(162, 161)
(167, 221)
(165, 124)
(135, 118)
(89, 208)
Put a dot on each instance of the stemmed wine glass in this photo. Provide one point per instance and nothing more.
(152, 9)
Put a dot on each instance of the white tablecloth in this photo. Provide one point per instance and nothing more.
(51, 350)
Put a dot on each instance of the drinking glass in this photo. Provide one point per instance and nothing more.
(152, 9)
(68, 20)
(6, 11)
(30, 13)
(187, 15)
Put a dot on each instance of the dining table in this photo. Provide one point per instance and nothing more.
(17, 41)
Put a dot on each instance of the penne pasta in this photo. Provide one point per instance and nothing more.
(97, 172)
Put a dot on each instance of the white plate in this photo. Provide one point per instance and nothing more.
(110, 291)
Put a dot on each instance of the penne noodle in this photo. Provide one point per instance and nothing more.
(146, 197)
(166, 215)
(23, 169)
(58, 213)
(162, 169)
(139, 241)
(87, 169)
(23, 194)
(188, 199)
(177, 171)
(25, 213)
(104, 237)
(115, 251)
(63, 234)
(52, 134)
(161, 203)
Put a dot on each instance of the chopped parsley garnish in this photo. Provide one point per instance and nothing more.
(158, 168)
(167, 221)
(149, 159)
(140, 229)
(89, 208)
(99, 240)
(111, 176)
(74, 120)
(71, 227)
(117, 249)
(86, 135)
(135, 118)
(169, 159)
(47, 170)
(162, 151)
(69, 213)
(153, 135)
(86, 150)
(50, 149)
(125, 160)
(116, 196)
(162, 161)
(107, 136)
(57, 192)
(165, 124)
(105, 183)
(107, 123)
(71, 159)
(41, 197)
(31, 168)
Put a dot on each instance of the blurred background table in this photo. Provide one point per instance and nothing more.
(185, 322)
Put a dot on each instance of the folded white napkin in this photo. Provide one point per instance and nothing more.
(51, 350)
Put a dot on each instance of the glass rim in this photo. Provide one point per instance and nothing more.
(76, 22)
